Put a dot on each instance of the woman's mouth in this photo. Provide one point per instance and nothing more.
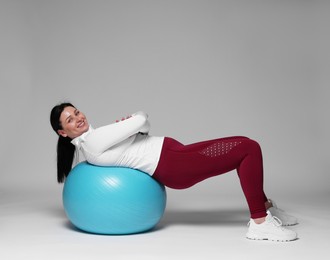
(81, 124)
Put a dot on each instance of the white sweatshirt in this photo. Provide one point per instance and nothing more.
(122, 144)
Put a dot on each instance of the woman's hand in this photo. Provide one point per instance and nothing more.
(140, 113)
(123, 118)
(145, 128)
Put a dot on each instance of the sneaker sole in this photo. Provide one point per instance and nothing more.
(270, 238)
(290, 224)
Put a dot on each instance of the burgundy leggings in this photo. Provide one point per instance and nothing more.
(181, 166)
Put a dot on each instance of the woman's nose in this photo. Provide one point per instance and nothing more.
(79, 118)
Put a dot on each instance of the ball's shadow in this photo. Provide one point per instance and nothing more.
(227, 217)
(172, 217)
(231, 217)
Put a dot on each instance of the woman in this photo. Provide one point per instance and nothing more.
(127, 143)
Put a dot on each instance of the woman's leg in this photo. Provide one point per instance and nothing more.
(182, 166)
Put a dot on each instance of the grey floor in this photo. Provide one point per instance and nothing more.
(33, 225)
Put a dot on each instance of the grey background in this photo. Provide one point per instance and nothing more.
(200, 69)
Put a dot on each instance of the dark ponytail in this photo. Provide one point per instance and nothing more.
(65, 149)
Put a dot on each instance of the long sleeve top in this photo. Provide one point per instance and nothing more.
(125, 144)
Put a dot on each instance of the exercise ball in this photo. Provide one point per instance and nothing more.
(112, 200)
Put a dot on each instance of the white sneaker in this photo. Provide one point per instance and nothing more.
(271, 229)
(286, 219)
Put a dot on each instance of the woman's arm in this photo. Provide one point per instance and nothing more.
(107, 136)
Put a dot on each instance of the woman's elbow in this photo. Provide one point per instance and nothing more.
(142, 114)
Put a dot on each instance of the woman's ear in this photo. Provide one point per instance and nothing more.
(62, 133)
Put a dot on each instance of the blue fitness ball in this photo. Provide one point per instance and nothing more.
(112, 200)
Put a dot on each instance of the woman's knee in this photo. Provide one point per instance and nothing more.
(253, 145)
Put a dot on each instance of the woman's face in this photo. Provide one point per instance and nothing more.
(74, 123)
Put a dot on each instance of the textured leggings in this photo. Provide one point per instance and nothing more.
(181, 166)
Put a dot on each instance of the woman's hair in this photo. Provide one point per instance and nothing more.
(65, 149)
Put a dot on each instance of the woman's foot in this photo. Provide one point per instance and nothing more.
(286, 219)
(270, 229)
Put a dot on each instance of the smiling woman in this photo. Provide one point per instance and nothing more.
(127, 143)
(62, 124)
(73, 122)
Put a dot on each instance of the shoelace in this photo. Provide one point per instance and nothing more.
(277, 222)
